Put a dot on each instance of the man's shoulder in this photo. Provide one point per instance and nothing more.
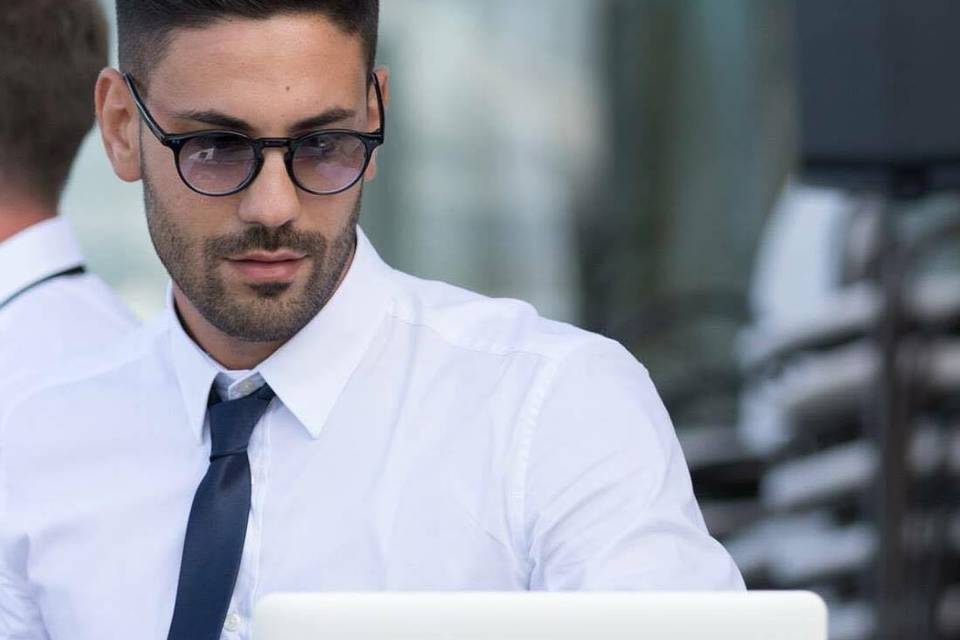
(88, 297)
(60, 318)
(85, 374)
(499, 326)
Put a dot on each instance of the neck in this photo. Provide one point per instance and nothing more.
(17, 214)
(232, 353)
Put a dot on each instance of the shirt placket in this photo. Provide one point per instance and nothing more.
(238, 623)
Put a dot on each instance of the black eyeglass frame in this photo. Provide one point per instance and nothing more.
(176, 142)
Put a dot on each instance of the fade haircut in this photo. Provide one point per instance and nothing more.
(50, 54)
(145, 27)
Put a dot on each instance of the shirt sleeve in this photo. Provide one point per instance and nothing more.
(20, 617)
(608, 501)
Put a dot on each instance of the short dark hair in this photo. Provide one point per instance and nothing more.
(50, 54)
(145, 27)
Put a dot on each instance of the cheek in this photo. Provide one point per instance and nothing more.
(185, 220)
(329, 215)
(159, 167)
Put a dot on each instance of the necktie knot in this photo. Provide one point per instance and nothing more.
(232, 422)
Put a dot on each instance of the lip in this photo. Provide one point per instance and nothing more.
(283, 255)
(263, 266)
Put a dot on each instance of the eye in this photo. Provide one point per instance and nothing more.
(325, 146)
(329, 162)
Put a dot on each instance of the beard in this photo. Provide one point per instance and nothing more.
(268, 315)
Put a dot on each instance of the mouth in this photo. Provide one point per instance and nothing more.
(268, 266)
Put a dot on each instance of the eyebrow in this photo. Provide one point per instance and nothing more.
(224, 121)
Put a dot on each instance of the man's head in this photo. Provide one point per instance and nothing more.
(258, 264)
(50, 54)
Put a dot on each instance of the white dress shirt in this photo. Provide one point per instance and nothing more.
(423, 438)
(57, 317)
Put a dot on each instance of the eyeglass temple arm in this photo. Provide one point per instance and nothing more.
(380, 107)
(137, 100)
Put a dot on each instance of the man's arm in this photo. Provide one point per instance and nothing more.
(608, 502)
(19, 616)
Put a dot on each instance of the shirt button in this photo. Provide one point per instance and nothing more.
(232, 623)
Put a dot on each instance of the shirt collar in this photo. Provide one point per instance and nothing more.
(195, 370)
(39, 251)
(309, 372)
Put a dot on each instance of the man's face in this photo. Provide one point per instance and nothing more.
(258, 265)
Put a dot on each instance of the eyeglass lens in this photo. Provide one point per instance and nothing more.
(322, 163)
(329, 162)
(216, 163)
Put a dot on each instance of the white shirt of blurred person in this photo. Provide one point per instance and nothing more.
(50, 307)
(422, 437)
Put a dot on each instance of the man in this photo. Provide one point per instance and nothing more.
(303, 417)
(50, 54)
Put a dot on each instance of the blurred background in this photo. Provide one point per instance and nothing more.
(757, 197)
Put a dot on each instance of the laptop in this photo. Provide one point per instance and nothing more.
(758, 615)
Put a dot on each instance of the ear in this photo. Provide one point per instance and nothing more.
(119, 124)
(373, 116)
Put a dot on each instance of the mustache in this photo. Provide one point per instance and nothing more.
(265, 239)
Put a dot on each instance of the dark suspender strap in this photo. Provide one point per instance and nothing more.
(75, 271)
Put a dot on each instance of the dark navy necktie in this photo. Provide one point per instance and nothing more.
(218, 521)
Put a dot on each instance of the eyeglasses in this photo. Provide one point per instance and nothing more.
(222, 163)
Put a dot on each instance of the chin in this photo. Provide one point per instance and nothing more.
(270, 290)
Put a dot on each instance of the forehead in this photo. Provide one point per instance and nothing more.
(241, 66)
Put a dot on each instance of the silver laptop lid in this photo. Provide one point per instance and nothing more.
(542, 616)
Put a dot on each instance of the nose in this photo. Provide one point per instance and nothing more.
(272, 199)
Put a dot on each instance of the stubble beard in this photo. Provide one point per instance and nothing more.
(269, 315)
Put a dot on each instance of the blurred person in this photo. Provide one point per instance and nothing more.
(302, 417)
(50, 54)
